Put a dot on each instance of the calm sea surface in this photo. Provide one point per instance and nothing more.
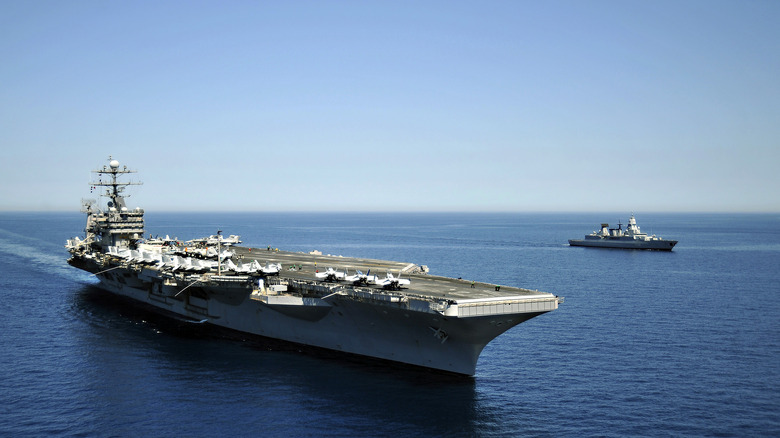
(645, 344)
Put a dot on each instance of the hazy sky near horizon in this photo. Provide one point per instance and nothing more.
(394, 105)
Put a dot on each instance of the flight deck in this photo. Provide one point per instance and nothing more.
(304, 266)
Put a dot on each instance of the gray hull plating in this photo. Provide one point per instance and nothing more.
(424, 339)
(659, 245)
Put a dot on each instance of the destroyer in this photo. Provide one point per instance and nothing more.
(630, 238)
(411, 317)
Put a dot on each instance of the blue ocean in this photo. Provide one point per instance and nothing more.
(681, 343)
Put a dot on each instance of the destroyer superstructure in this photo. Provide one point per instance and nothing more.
(403, 314)
(630, 238)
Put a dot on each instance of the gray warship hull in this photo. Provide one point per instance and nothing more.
(420, 319)
(658, 245)
(444, 324)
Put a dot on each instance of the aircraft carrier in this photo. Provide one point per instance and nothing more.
(395, 311)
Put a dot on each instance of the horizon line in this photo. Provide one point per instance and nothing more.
(608, 211)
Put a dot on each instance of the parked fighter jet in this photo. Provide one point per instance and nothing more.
(247, 268)
(216, 239)
(331, 275)
(394, 283)
(361, 278)
(271, 268)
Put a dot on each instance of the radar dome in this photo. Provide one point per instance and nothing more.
(114, 164)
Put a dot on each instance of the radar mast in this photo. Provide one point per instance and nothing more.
(114, 188)
(116, 226)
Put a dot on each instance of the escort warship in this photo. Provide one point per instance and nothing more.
(630, 238)
(411, 317)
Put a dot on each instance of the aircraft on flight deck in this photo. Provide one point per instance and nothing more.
(331, 275)
(393, 283)
(361, 278)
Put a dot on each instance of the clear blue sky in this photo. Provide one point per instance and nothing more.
(394, 105)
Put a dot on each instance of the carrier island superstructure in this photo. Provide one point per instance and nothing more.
(403, 314)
